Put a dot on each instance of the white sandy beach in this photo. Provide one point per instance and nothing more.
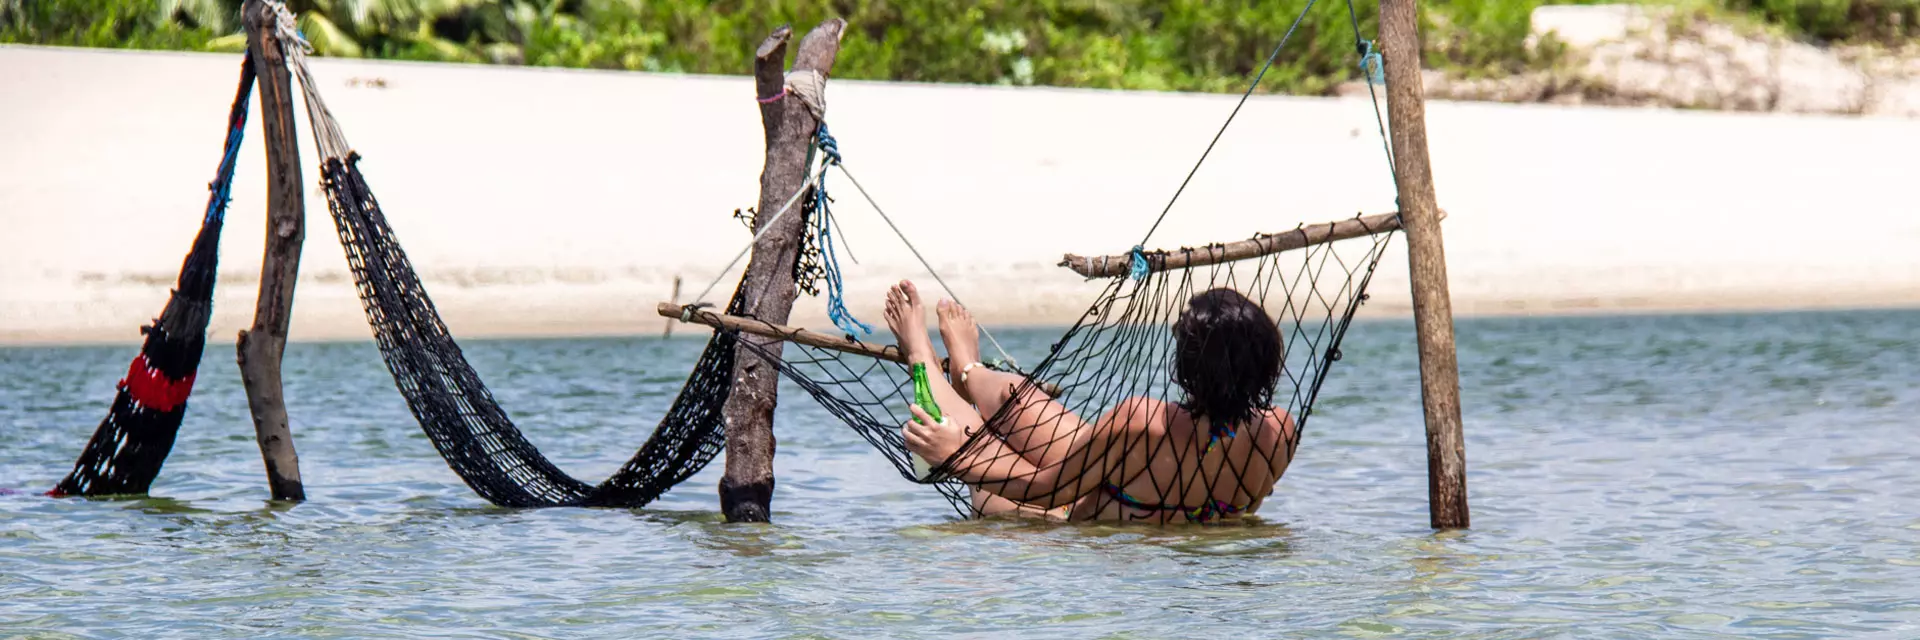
(550, 202)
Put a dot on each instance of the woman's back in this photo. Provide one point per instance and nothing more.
(1144, 459)
(1176, 468)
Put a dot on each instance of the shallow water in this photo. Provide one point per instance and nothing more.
(1685, 476)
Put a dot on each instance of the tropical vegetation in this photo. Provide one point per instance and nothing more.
(1189, 45)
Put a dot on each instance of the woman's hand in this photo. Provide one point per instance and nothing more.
(934, 441)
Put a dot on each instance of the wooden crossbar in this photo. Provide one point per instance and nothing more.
(889, 353)
(1263, 244)
(810, 338)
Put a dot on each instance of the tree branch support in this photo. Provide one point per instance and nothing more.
(746, 491)
(261, 346)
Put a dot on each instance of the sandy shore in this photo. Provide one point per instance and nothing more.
(548, 202)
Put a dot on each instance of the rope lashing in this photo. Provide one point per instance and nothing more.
(287, 28)
(822, 220)
(1140, 267)
(1371, 64)
(829, 149)
(329, 141)
(811, 87)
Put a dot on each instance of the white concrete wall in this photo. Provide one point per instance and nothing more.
(542, 201)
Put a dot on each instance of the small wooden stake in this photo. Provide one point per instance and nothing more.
(667, 332)
(746, 491)
(1426, 257)
(261, 346)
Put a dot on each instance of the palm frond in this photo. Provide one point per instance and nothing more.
(327, 38)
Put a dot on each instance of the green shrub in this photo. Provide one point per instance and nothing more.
(1179, 45)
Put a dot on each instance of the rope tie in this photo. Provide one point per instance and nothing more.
(327, 137)
(1371, 64)
(289, 31)
(811, 87)
(829, 149)
(773, 98)
(1140, 267)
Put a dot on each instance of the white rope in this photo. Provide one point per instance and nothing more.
(812, 177)
(922, 259)
(327, 137)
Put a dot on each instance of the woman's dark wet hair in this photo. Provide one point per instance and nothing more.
(1227, 357)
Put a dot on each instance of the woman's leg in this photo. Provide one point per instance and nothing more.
(1036, 427)
(986, 504)
(908, 320)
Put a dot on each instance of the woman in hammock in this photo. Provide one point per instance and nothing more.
(1216, 454)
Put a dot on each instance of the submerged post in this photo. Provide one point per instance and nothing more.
(1426, 258)
(261, 346)
(746, 491)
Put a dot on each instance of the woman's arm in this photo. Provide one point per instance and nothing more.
(1086, 456)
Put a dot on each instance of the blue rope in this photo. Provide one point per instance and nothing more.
(822, 221)
(828, 146)
(1372, 65)
(1140, 267)
(222, 185)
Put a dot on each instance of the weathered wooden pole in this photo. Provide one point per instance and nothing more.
(260, 347)
(746, 491)
(1432, 308)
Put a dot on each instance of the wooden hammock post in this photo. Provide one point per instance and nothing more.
(261, 346)
(1426, 257)
(746, 491)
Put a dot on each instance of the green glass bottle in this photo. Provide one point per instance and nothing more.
(923, 396)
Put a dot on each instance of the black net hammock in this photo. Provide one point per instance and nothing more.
(1124, 352)
(455, 409)
(1113, 423)
(127, 450)
(1125, 347)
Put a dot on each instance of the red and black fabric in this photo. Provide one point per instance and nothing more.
(128, 448)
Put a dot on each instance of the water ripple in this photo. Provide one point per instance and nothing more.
(1731, 476)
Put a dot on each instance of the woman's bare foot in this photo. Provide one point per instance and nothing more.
(962, 338)
(908, 320)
